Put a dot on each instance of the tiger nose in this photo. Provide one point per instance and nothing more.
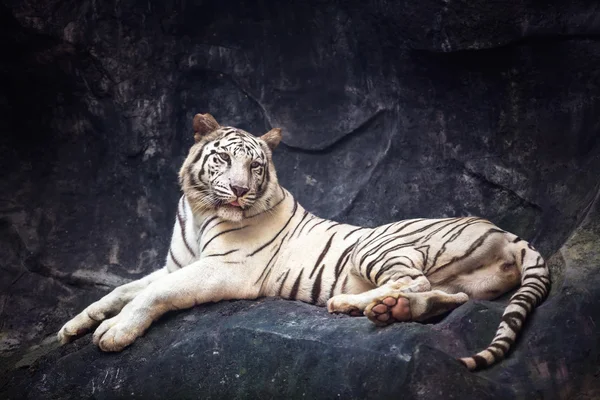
(238, 190)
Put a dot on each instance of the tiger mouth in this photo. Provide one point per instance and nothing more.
(233, 205)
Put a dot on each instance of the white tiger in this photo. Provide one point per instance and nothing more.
(239, 235)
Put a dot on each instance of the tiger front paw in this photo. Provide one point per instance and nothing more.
(86, 320)
(70, 331)
(116, 333)
(82, 323)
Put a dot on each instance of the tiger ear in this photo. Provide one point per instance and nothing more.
(203, 125)
(272, 138)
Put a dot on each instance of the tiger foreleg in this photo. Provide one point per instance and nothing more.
(195, 284)
(106, 307)
(405, 306)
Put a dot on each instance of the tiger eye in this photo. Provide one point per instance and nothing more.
(224, 156)
(255, 164)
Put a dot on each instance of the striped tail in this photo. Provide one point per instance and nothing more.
(535, 285)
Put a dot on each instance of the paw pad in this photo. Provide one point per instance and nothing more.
(388, 310)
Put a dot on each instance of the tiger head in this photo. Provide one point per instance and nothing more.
(228, 170)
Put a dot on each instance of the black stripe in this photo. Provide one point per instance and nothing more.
(222, 254)
(509, 342)
(317, 224)
(332, 226)
(271, 260)
(340, 265)
(296, 286)
(296, 228)
(542, 288)
(411, 276)
(222, 233)
(534, 275)
(523, 251)
(345, 253)
(215, 225)
(464, 224)
(262, 188)
(496, 354)
(522, 297)
(181, 221)
(430, 234)
(517, 240)
(316, 289)
(390, 237)
(204, 161)
(344, 284)
(205, 224)
(545, 280)
(534, 292)
(480, 362)
(477, 244)
(337, 276)
(377, 248)
(537, 266)
(371, 265)
(511, 319)
(526, 305)
(264, 211)
(195, 182)
(312, 217)
(321, 256)
(534, 295)
(424, 254)
(283, 283)
(392, 225)
(173, 258)
(197, 157)
(384, 268)
(498, 346)
(278, 233)
(456, 235)
(352, 231)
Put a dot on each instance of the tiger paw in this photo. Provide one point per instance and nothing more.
(81, 324)
(116, 333)
(388, 310)
(70, 331)
(344, 304)
(87, 319)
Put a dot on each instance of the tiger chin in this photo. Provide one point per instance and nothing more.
(238, 234)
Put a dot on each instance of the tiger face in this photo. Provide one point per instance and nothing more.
(229, 170)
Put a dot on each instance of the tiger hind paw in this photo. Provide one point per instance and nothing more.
(389, 309)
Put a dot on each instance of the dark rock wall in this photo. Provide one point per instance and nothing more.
(390, 110)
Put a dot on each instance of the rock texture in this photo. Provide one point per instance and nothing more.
(390, 110)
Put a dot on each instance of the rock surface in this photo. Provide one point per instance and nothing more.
(281, 349)
(390, 111)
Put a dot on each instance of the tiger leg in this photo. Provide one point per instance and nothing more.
(395, 272)
(355, 304)
(404, 306)
(107, 306)
(403, 292)
(197, 283)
